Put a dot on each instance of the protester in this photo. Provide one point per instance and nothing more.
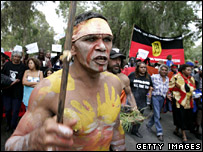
(31, 78)
(140, 84)
(91, 119)
(48, 60)
(174, 69)
(182, 86)
(48, 72)
(114, 66)
(4, 58)
(169, 61)
(56, 62)
(131, 62)
(160, 91)
(43, 64)
(12, 96)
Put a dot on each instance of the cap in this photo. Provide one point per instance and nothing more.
(196, 61)
(174, 66)
(190, 63)
(115, 53)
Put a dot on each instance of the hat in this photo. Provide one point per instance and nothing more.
(3, 53)
(174, 66)
(196, 61)
(190, 63)
(115, 53)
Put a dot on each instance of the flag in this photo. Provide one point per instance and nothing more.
(158, 47)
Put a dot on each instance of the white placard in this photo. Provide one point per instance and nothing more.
(2, 50)
(142, 54)
(56, 47)
(32, 48)
(18, 48)
(59, 36)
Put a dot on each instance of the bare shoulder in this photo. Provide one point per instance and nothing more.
(124, 78)
(111, 78)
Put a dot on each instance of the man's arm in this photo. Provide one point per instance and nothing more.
(37, 129)
(128, 92)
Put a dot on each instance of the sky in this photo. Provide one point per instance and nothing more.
(57, 23)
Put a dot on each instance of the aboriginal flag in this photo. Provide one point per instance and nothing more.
(157, 48)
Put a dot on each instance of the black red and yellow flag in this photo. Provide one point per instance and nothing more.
(158, 47)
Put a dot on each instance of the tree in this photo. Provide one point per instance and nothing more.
(22, 24)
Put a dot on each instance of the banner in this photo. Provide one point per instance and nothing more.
(158, 47)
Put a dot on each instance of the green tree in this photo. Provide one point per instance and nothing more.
(22, 24)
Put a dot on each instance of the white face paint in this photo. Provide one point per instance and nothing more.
(93, 51)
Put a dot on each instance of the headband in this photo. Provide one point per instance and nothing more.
(91, 26)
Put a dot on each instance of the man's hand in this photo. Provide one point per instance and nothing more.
(53, 136)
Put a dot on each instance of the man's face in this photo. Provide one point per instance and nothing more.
(142, 69)
(163, 71)
(16, 59)
(187, 72)
(93, 51)
(114, 65)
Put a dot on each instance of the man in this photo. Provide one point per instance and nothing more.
(92, 107)
(12, 96)
(160, 88)
(182, 86)
(114, 66)
(140, 84)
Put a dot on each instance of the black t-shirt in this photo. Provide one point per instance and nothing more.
(140, 87)
(14, 71)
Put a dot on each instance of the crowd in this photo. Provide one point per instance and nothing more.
(177, 94)
(19, 75)
(95, 87)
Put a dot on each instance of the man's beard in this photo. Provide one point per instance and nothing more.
(116, 71)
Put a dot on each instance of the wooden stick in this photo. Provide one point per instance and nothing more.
(65, 71)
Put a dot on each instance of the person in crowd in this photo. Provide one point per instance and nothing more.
(182, 86)
(141, 85)
(174, 69)
(196, 64)
(169, 61)
(4, 58)
(56, 61)
(12, 96)
(191, 64)
(131, 62)
(43, 64)
(31, 78)
(198, 101)
(48, 60)
(91, 119)
(160, 91)
(114, 66)
(48, 72)
(168, 102)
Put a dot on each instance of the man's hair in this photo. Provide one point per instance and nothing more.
(163, 65)
(16, 53)
(36, 62)
(183, 67)
(137, 71)
(86, 16)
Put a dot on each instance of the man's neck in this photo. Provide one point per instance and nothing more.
(79, 72)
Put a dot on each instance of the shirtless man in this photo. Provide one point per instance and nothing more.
(114, 66)
(92, 105)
